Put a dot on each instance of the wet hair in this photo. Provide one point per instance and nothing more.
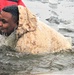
(13, 9)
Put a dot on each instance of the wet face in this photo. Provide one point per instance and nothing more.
(7, 24)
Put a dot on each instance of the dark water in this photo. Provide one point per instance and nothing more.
(14, 63)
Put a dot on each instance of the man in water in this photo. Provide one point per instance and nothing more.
(9, 17)
(33, 36)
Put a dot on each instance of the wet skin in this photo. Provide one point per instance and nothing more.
(7, 24)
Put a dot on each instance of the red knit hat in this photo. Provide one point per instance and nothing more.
(4, 3)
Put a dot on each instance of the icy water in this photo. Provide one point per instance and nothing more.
(59, 63)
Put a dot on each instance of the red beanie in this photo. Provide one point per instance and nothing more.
(4, 3)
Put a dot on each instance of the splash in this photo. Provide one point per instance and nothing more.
(7, 40)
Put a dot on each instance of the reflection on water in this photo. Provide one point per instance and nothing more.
(14, 63)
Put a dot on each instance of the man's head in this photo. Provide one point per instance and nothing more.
(9, 17)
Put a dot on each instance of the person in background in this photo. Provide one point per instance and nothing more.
(4, 3)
